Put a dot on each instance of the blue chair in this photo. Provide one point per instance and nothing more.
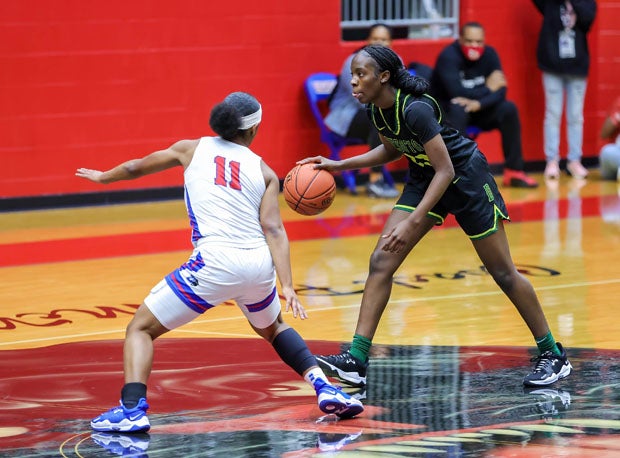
(318, 87)
(473, 132)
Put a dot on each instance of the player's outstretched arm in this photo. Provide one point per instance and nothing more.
(377, 156)
(179, 153)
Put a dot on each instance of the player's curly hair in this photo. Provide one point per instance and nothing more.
(225, 118)
(400, 78)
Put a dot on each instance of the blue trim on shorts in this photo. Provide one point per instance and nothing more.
(186, 294)
(258, 306)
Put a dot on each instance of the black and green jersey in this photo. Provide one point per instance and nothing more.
(412, 122)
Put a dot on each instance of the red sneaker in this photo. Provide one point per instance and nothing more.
(518, 179)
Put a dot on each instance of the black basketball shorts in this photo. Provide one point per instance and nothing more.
(473, 198)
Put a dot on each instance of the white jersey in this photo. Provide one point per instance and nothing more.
(224, 187)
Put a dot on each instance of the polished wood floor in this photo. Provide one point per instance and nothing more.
(72, 278)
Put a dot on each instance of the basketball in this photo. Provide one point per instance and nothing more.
(309, 191)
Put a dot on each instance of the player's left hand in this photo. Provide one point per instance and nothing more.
(398, 237)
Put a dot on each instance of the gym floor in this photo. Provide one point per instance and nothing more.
(446, 372)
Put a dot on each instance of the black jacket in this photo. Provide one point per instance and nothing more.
(548, 51)
(455, 76)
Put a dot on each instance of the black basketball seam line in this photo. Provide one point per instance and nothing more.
(302, 195)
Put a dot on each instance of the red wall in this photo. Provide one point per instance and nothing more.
(91, 84)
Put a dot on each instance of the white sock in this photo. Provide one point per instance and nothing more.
(314, 375)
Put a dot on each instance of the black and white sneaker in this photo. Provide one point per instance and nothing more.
(549, 368)
(345, 367)
(550, 403)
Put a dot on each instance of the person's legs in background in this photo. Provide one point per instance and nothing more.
(610, 162)
(554, 100)
(377, 186)
(575, 96)
(505, 117)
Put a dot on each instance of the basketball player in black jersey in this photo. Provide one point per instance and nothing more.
(447, 174)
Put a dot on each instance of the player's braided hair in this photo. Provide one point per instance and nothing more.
(225, 118)
(400, 77)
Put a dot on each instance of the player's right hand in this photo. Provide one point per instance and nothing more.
(321, 163)
(89, 174)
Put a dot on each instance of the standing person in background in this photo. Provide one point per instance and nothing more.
(564, 59)
(347, 117)
(240, 245)
(470, 85)
(609, 157)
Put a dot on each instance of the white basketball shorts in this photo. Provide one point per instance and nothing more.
(214, 275)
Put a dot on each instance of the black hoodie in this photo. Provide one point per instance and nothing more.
(548, 51)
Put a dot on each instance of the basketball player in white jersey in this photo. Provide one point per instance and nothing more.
(240, 245)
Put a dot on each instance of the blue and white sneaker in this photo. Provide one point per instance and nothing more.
(332, 442)
(333, 400)
(122, 419)
(134, 445)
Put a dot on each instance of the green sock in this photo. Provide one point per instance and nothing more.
(360, 347)
(547, 343)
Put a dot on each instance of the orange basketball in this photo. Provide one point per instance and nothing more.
(309, 191)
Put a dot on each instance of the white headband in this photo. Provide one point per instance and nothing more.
(251, 119)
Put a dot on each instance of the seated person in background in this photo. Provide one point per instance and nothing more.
(470, 85)
(347, 117)
(609, 157)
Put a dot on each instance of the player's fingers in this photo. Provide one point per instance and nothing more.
(388, 233)
(290, 305)
(310, 159)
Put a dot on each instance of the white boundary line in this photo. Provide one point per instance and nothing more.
(313, 310)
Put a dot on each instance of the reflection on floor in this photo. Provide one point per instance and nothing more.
(420, 401)
(448, 357)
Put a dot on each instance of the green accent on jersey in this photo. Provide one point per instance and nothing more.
(408, 146)
(395, 131)
(406, 140)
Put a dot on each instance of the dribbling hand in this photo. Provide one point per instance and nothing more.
(321, 162)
